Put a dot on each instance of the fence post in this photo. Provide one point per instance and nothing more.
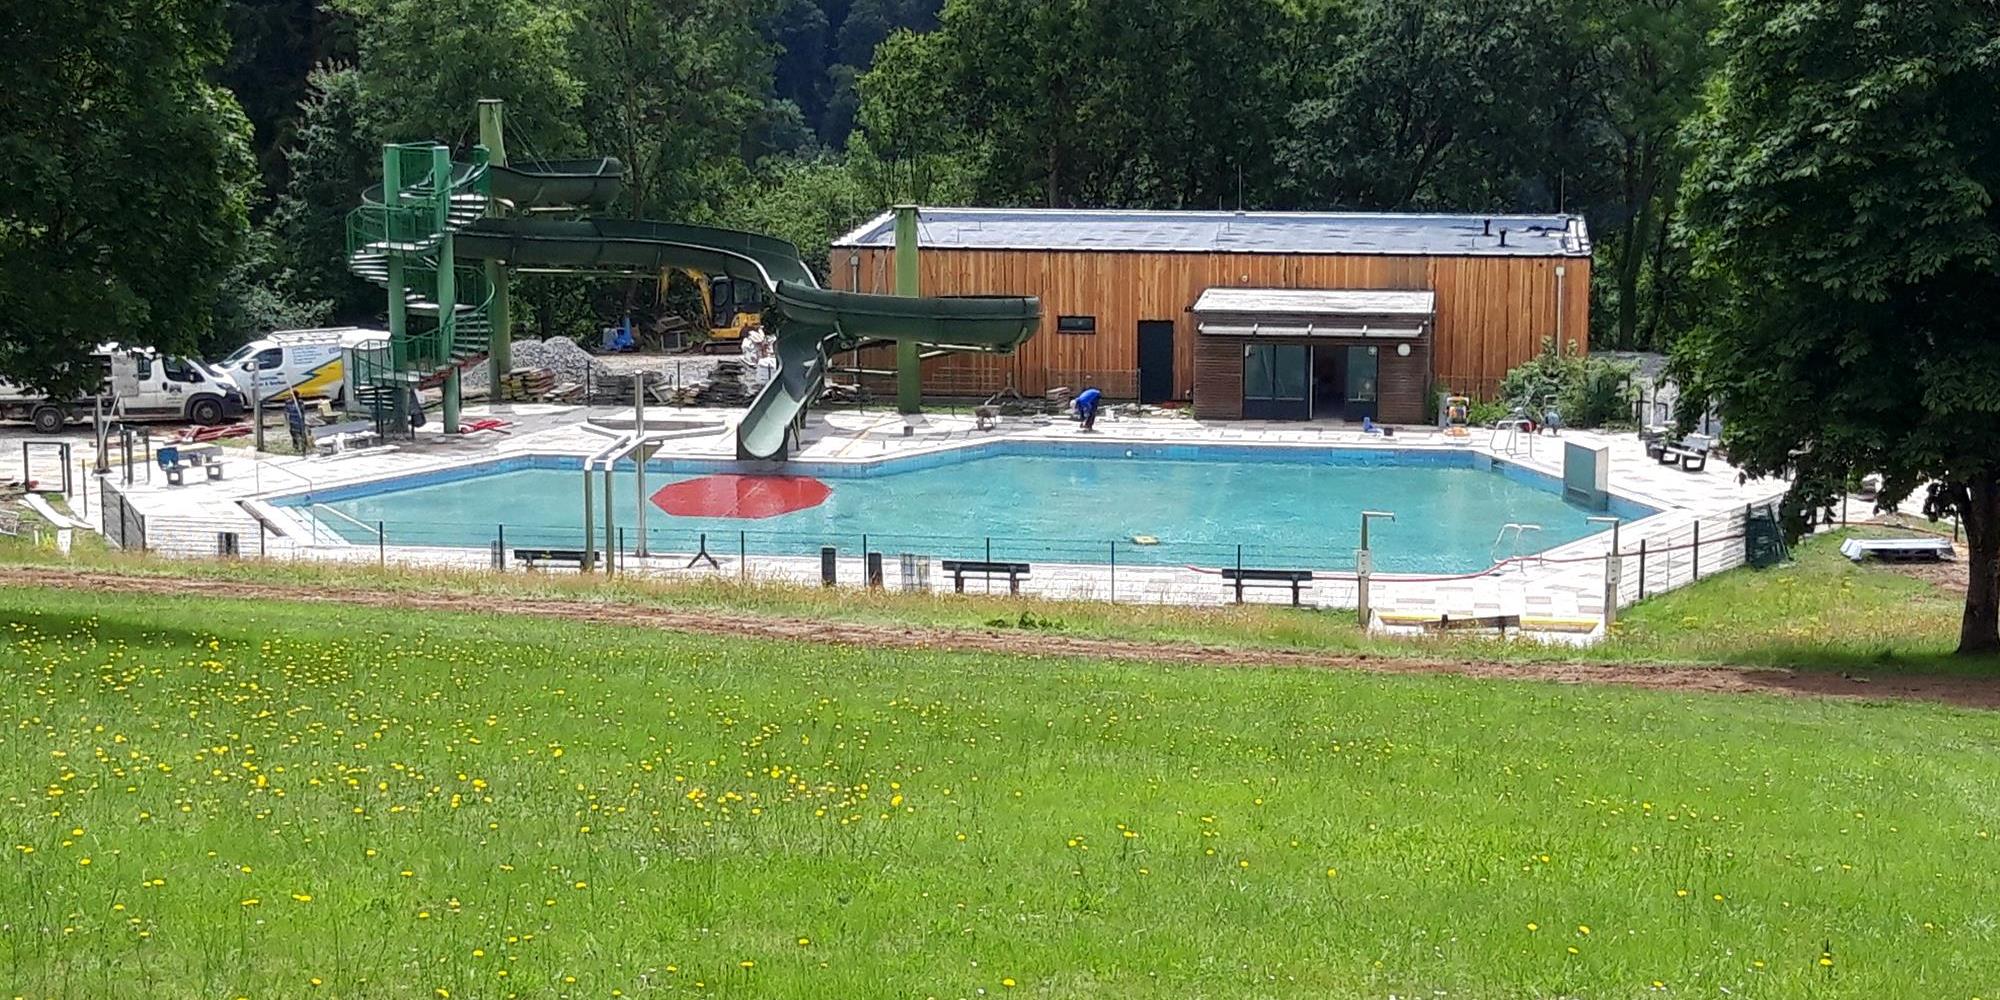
(260, 538)
(1697, 551)
(1114, 571)
(381, 544)
(742, 554)
(828, 565)
(1642, 569)
(500, 533)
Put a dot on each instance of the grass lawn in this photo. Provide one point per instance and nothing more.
(1818, 612)
(218, 799)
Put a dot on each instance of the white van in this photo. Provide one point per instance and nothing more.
(139, 384)
(307, 362)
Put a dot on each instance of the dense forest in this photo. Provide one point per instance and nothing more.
(801, 117)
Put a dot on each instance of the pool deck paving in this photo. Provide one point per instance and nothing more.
(1561, 590)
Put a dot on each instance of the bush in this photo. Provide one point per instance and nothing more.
(1588, 392)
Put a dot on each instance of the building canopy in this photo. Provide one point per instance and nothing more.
(1292, 312)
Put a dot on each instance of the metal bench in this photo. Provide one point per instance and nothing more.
(530, 557)
(1469, 623)
(1690, 459)
(176, 460)
(958, 568)
(1297, 579)
(1898, 549)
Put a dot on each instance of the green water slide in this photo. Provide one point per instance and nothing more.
(814, 320)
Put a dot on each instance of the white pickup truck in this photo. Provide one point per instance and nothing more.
(139, 384)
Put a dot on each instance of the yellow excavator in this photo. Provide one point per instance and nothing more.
(729, 307)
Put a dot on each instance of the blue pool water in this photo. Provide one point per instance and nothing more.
(1291, 507)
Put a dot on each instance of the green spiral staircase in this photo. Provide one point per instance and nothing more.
(441, 312)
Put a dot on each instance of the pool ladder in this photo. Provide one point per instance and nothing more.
(1511, 443)
(1519, 531)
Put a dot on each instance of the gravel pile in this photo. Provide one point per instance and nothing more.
(558, 355)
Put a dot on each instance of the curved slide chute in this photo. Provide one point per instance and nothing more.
(816, 320)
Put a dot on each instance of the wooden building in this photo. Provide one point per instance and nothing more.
(1247, 314)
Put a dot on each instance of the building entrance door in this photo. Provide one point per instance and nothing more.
(1277, 381)
(1156, 360)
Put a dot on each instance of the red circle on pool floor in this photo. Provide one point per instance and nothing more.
(740, 496)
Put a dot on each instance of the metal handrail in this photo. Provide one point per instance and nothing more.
(349, 518)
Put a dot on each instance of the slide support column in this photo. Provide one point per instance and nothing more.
(447, 284)
(909, 373)
(399, 344)
(499, 315)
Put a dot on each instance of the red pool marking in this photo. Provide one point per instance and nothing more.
(741, 496)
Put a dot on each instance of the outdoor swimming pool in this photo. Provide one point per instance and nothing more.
(1018, 500)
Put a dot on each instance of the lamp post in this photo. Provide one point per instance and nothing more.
(1363, 566)
(1612, 567)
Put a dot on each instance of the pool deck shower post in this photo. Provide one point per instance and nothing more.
(639, 459)
(1612, 570)
(589, 522)
(610, 544)
(1364, 567)
(909, 363)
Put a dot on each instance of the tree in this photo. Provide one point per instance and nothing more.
(255, 299)
(672, 88)
(425, 64)
(1842, 217)
(1430, 104)
(124, 182)
(1643, 63)
(333, 156)
(273, 47)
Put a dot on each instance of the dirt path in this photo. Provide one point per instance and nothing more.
(1972, 692)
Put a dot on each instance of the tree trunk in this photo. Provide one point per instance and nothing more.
(1979, 631)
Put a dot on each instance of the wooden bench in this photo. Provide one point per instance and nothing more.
(1297, 579)
(529, 557)
(958, 568)
(1446, 623)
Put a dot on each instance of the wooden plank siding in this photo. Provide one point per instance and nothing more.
(1493, 312)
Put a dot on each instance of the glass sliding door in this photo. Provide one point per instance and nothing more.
(1362, 375)
(1275, 381)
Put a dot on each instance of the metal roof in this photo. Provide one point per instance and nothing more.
(1235, 232)
(1317, 302)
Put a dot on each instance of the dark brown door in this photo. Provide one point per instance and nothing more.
(1156, 360)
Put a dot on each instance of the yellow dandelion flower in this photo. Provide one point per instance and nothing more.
(1532, 926)
(303, 897)
(746, 964)
(804, 941)
(1583, 929)
(252, 901)
(1009, 983)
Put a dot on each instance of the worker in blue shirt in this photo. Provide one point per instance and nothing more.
(1086, 407)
